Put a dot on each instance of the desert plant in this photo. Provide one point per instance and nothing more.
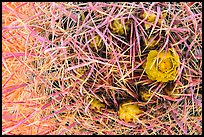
(56, 54)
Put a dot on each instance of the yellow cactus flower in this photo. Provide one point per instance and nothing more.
(98, 43)
(96, 104)
(118, 28)
(162, 67)
(128, 112)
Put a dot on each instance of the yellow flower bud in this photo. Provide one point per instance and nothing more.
(129, 112)
(98, 43)
(118, 28)
(147, 26)
(150, 18)
(96, 104)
